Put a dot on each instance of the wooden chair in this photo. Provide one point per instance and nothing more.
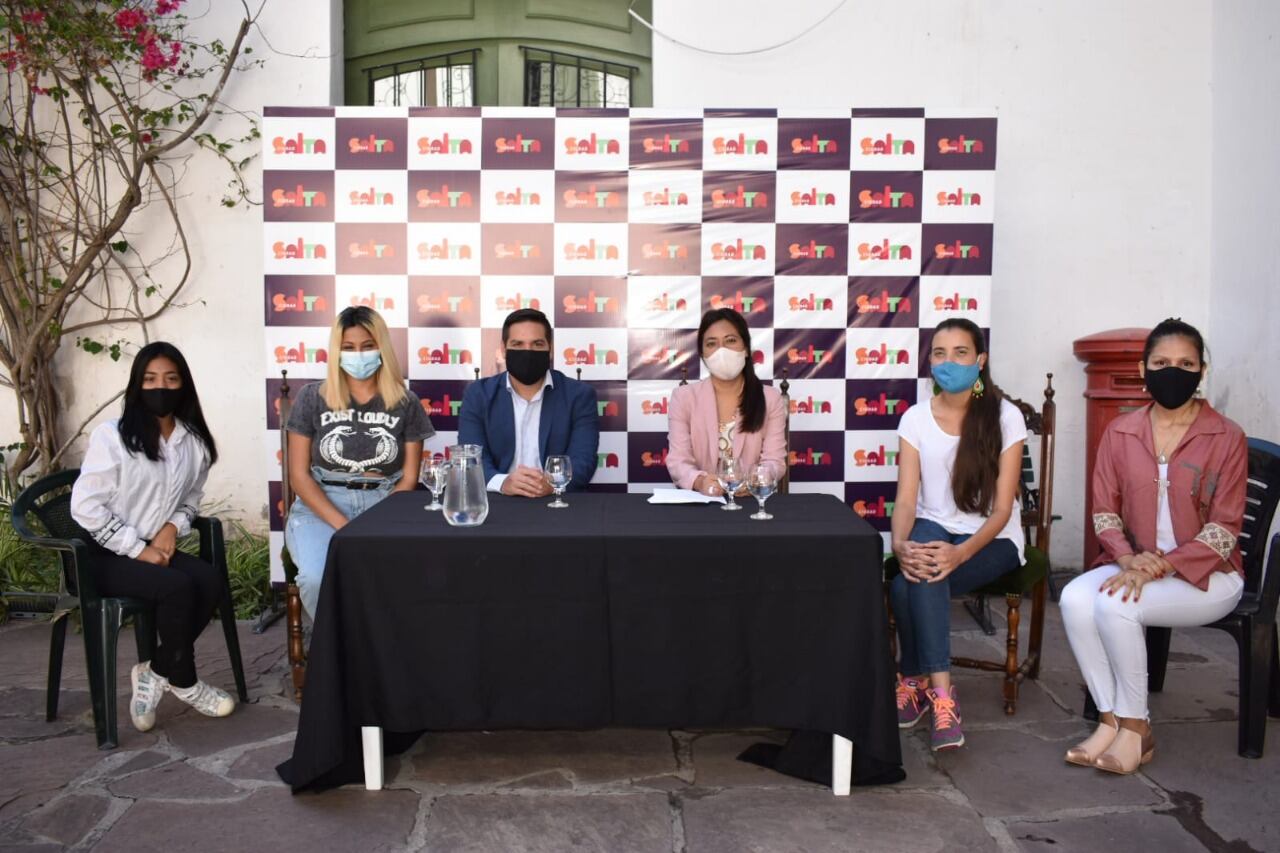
(1031, 578)
(1253, 622)
(102, 617)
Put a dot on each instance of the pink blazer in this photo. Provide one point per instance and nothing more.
(693, 435)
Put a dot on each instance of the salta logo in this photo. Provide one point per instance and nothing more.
(957, 251)
(666, 303)
(809, 458)
(813, 198)
(878, 508)
(518, 145)
(374, 301)
(445, 407)
(882, 304)
(443, 197)
(667, 144)
(649, 459)
(654, 407)
(299, 302)
(959, 198)
(881, 355)
(301, 354)
(591, 197)
(371, 249)
(298, 250)
(444, 145)
(666, 198)
(811, 251)
(606, 460)
(955, 302)
(738, 251)
(959, 145)
(884, 251)
(590, 251)
(814, 145)
(863, 458)
(590, 356)
(739, 302)
(298, 197)
(887, 146)
(445, 303)
(666, 250)
(739, 145)
(662, 356)
(516, 302)
(607, 408)
(298, 145)
(879, 406)
(809, 406)
(887, 198)
(517, 198)
(809, 355)
(516, 250)
(592, 303)
(812, 302)
(741, 197)
(370, 145)
(372, 198)
(444, 355)
(444, 251)
(591, 145)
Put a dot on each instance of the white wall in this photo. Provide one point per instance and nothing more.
(221, 331)
(1244, 328)
(1103, 173)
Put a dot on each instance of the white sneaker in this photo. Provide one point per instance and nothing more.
(148, 690)
(205, 698)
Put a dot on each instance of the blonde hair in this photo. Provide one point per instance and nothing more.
(334, 389)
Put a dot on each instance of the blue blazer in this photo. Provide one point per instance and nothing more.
(569, 425)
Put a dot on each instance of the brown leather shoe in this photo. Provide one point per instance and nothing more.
(1085, 753)
(1134, 746)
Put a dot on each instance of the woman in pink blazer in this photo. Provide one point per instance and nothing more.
(730, 412)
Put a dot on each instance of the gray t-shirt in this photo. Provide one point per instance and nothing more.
(362, 438)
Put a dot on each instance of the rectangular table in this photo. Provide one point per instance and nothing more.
(611, 612)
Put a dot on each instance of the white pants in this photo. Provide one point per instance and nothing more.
(1107, 635)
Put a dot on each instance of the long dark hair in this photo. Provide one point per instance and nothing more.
(751, 403)
(973, 479)
(1169, 328)
(139, 429)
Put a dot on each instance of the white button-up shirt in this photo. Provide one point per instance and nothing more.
(528, 419)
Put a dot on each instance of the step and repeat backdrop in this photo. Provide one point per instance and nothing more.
(844, 237)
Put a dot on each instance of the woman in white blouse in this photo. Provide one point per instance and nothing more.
(139, 490)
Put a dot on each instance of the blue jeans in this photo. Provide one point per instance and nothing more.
(307, 535)
(923, 610)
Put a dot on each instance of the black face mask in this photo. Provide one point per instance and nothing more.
(1172, 387)
(528, 365)
(161, 402)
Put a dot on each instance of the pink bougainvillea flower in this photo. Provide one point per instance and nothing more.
(165, 7)
(130, 19)
(33, 17)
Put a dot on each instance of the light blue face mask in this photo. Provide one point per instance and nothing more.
(954, 378)
(361, 365)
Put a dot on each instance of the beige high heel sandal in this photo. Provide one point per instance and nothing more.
(1131, 748)
(1085, 753)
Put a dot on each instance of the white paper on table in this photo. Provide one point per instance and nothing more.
(682, 496)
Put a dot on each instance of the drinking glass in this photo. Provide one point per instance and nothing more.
(763, 483)
(432, 476)
(559, 471)
(729, 473)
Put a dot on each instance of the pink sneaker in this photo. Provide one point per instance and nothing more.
(947, 733)
(912, 702)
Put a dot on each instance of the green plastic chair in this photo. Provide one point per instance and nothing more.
(49, 500)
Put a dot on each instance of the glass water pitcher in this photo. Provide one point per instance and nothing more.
(466, 501)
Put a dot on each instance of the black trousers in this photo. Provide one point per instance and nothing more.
(184, 592)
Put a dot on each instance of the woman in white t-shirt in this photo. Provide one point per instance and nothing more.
(956, 521)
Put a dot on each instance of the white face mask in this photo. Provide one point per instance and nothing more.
(725, 363)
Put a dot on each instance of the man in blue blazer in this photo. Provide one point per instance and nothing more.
(530, 412)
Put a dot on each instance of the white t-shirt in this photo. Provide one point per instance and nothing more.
(937, 459)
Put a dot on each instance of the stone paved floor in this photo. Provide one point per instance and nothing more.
(200, 784)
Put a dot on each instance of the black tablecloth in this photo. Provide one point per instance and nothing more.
(611, 612)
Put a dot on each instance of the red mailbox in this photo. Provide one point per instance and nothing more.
(1113, 386)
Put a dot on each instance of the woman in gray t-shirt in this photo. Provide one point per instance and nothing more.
(354, 438)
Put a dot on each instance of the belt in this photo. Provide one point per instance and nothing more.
(363, 485)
